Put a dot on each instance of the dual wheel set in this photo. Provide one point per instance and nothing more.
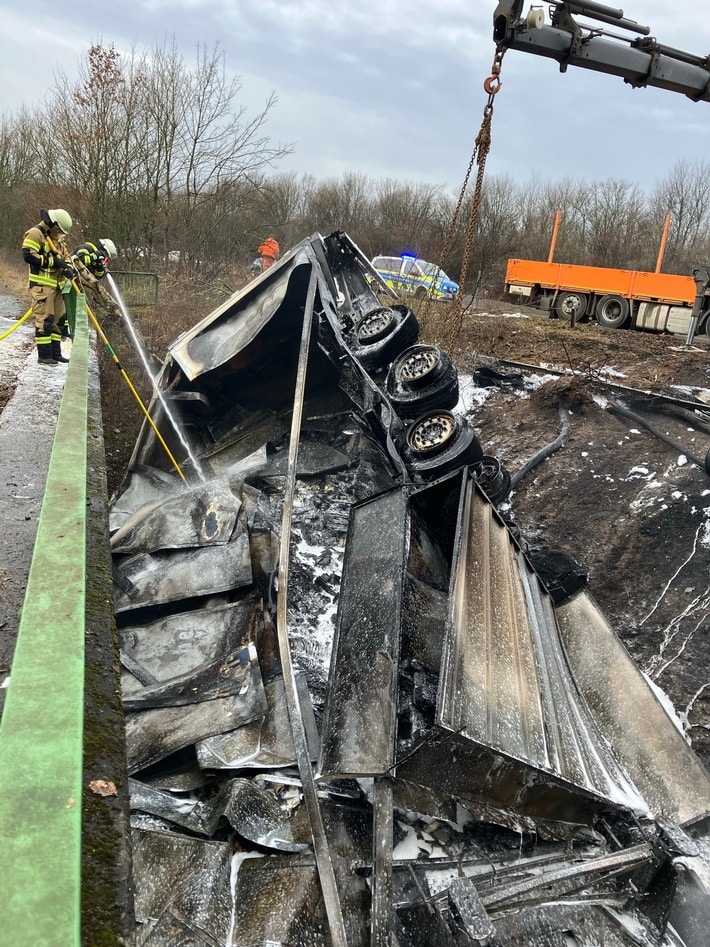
(423, 387)
(611, 312)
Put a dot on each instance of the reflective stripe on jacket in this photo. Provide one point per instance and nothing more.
(35, 246)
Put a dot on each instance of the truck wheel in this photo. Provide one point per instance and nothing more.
(571, 306)
(375, 325)
(419, 366)
(493, 478)
(420, 293)
(612, 312)
(383, 333)
(422, 379)
(439, 442)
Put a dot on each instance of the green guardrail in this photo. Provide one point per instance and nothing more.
(41, 731)
(137, 289)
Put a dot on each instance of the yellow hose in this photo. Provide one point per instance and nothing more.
(113, 355)
(17, 324)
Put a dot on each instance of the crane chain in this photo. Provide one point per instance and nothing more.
(480, 153)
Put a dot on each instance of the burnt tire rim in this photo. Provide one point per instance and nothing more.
(416, 366)
(432, 432)
(375, 325)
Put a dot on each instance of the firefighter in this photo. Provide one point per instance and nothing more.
(45, 252)
(268, 251)
(91, 260)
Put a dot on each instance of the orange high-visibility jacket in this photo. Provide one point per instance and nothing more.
(270, 248)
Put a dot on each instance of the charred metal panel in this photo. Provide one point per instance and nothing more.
(201, 516)
(151, 735)
(235, 325)
(653, 751)
(171, 647)
(225, 677)
(182, 889)
(278, 901)
(252, 810)
(363, 675)
(156, 578)
(508, 713)
(266, 741)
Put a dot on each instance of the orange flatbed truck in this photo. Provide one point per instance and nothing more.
(661, 302)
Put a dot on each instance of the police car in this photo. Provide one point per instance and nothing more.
(408, 274)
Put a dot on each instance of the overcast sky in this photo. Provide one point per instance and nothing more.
(391, 88)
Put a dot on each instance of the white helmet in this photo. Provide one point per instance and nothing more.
(109, 246)
(61, 219)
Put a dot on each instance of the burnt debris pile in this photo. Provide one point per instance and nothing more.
(358, 712)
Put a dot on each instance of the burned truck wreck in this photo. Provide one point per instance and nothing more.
(358, 710)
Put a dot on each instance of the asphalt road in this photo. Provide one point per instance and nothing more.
(30, 397)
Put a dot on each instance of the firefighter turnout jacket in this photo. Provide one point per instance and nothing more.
(88, 261)
(91, 258)
(47, 266)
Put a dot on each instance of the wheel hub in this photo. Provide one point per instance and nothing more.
(418, 364)
(431, 432)
(374, 324)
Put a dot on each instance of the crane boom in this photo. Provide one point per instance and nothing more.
(640, 60)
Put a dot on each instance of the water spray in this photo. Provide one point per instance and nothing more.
(115, 294)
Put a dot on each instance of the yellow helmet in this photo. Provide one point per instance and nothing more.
(60, 218)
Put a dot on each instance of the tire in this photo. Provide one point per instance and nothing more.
(383, 333)
(375, 325)
(571, 305)
(420, 293)
(422, 379)
(494, 479)
(418, 366)
(431, 433)
(707, 327)
(437, 443)
(612, 312)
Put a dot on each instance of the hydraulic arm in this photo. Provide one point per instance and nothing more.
(638, 58)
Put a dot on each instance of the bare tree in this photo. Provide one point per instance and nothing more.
(685, 195)
(155, 150)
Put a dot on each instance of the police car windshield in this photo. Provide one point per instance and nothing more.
(430, 269)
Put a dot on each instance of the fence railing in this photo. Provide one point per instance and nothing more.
(138, 290)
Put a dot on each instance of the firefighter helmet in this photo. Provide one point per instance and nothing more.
(60, 218)
(109, 246)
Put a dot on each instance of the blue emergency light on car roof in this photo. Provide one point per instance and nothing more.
(407, 256)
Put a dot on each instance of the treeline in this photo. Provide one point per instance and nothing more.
(160, 156)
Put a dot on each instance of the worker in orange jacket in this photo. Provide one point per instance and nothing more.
(268, 251)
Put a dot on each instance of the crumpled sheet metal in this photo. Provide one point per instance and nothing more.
(152, 735)
(265, 742)
(649, 745)
(205, 515)
(254, 811)
(184, 894)
(173, 575)
(174, 646)
(225, 677)
(278, 901)
(231, 328)
(143, 485)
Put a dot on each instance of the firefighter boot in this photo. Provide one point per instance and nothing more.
(44, 351)
(57, 352)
